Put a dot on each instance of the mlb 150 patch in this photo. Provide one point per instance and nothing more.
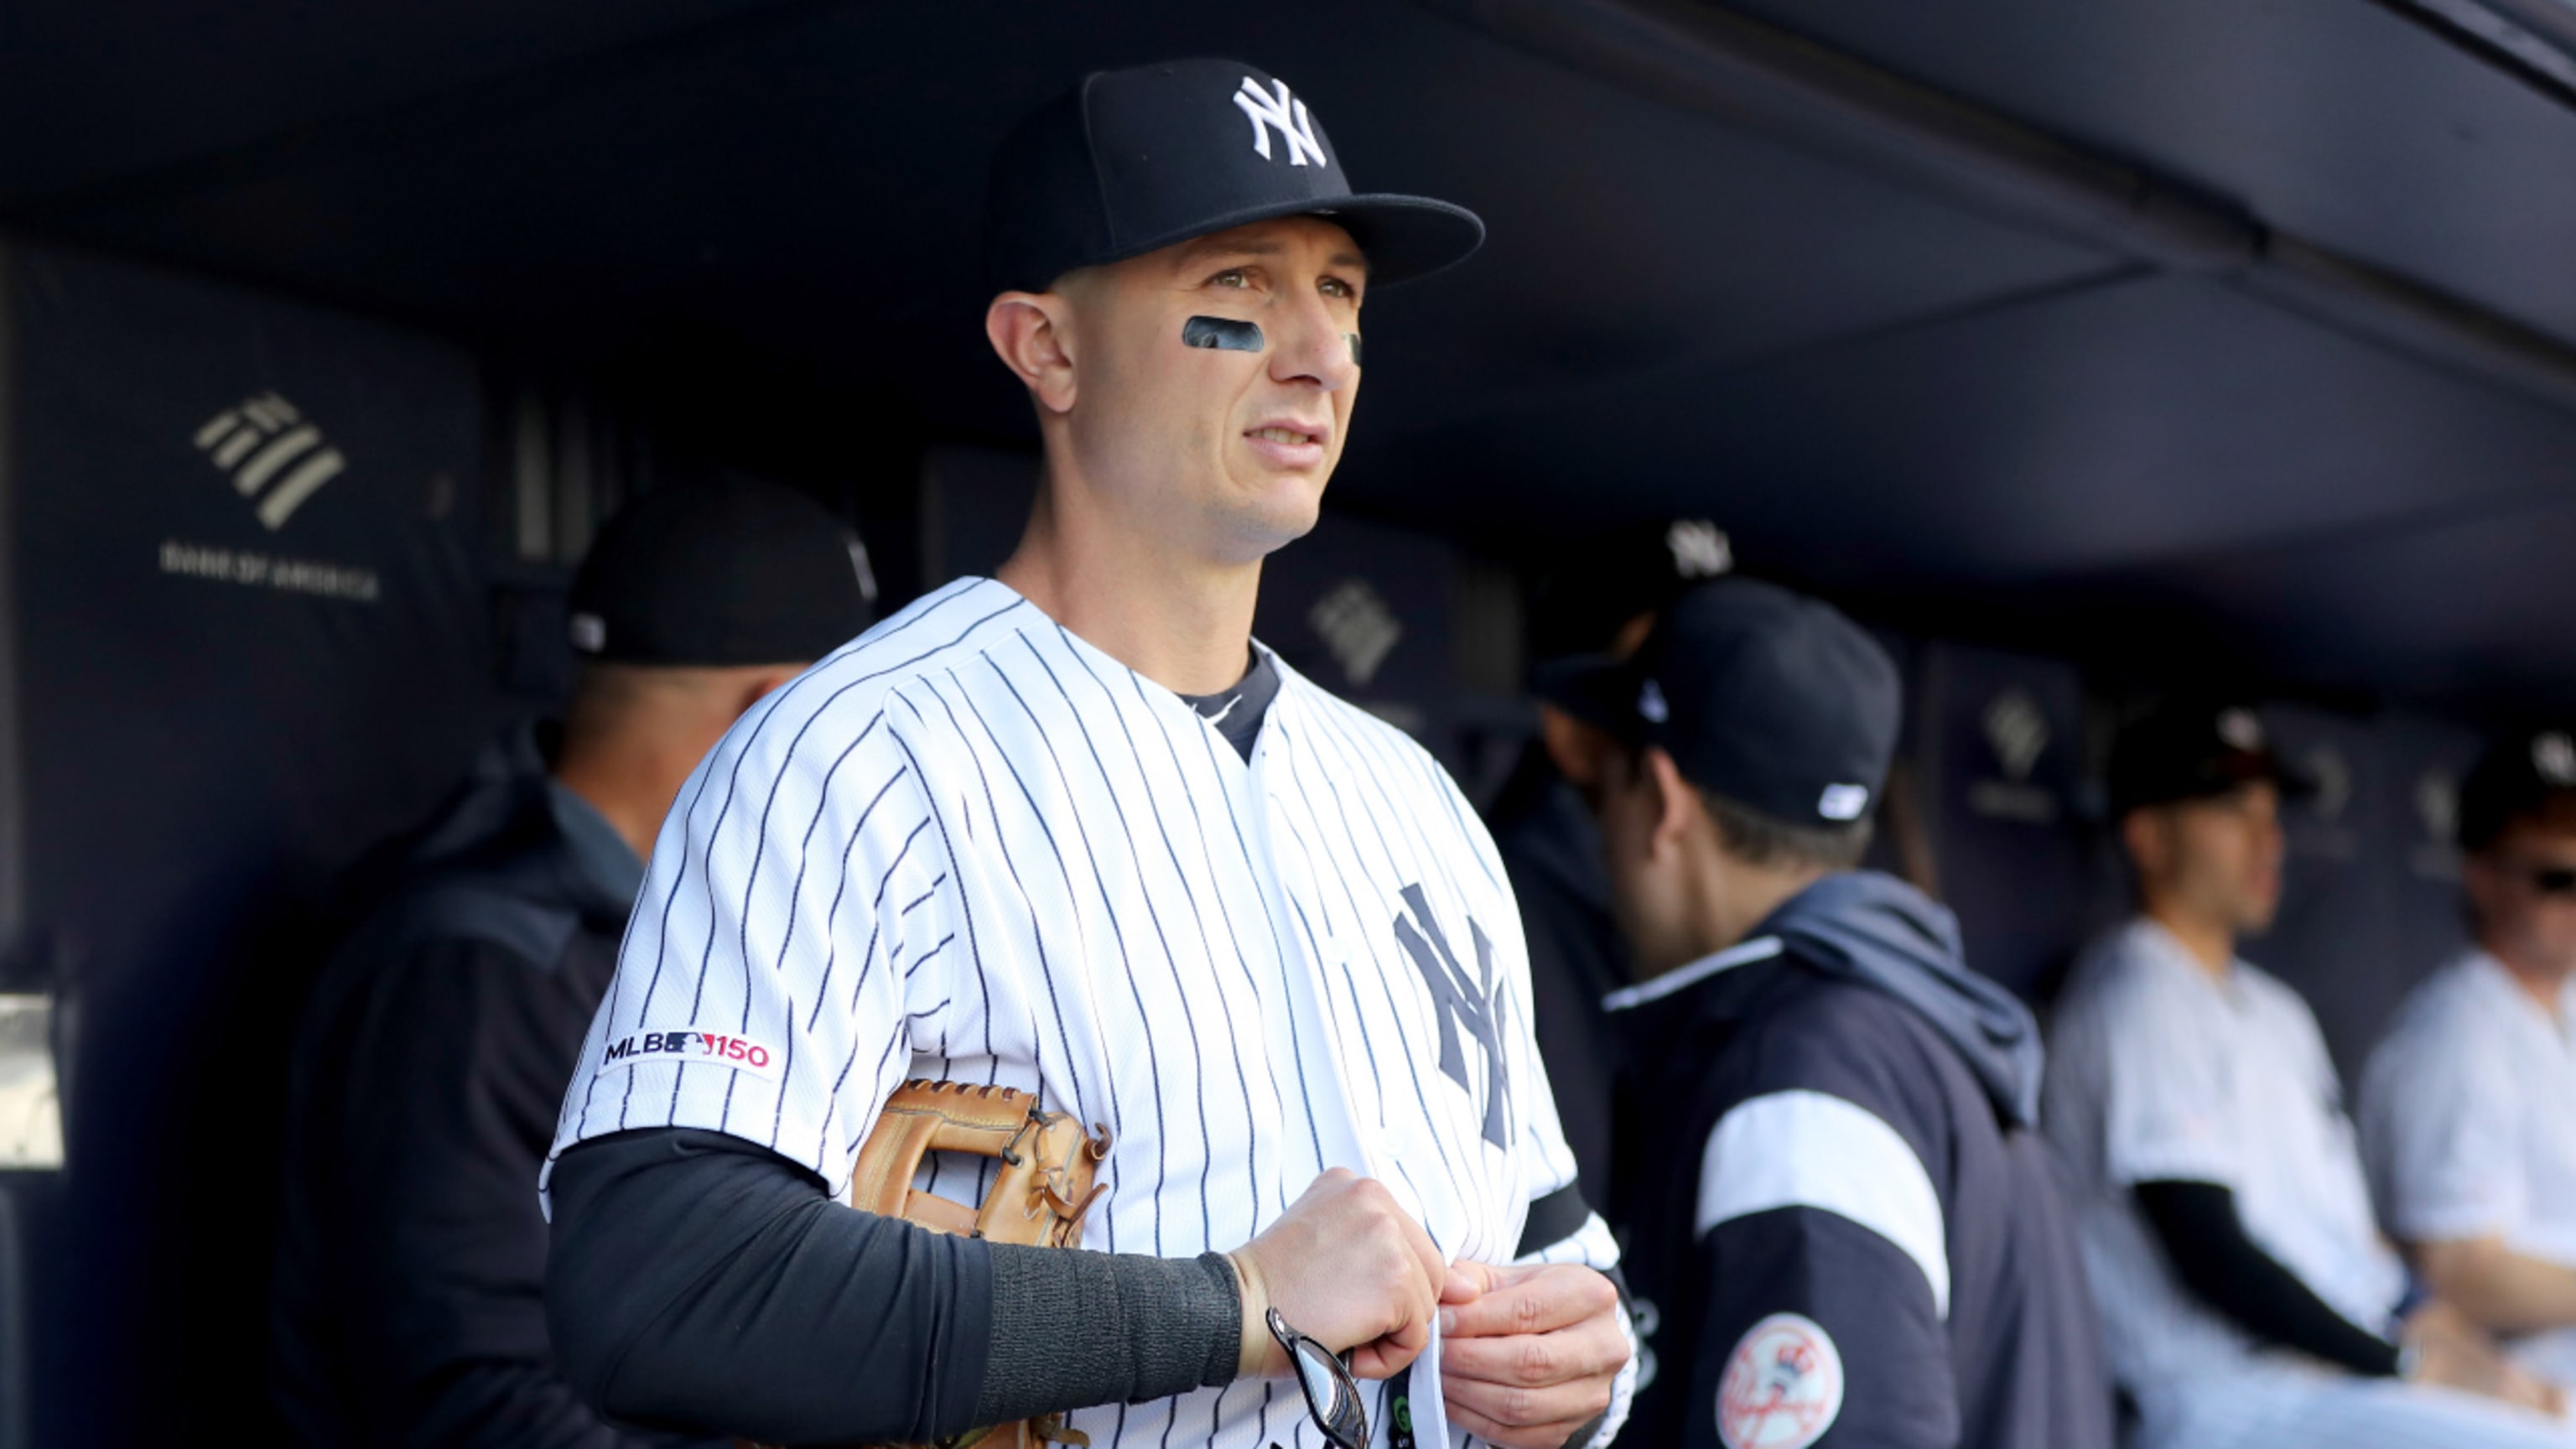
(1783, 1385)
(693, 1046)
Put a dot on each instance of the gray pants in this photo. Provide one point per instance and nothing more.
(2293, 1408)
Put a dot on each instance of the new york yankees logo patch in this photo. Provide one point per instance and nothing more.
(1473, 1003)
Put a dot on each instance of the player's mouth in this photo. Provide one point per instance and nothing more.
(1287, 443)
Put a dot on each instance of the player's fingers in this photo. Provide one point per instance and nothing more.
(1554, 1297)
(1504, 1434)
(1465, 1281)
(1587, 1351)
(1386, 1357)
(1435, 1264)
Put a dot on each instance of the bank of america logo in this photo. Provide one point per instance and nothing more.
(271, 453)
(1357, 627)
(2017, 731)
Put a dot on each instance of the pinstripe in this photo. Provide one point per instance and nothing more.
(1345, 742)
(1109, 907)
(1395, 1012)
(1198, 918)
(1117, 1120)
(1180, 988)
(1305, 1093)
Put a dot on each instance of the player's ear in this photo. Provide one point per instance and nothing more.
(1032, 332)
(2142, 833)
(1676, 803)
(1577, 748)
(751, 686)
(2483, 884)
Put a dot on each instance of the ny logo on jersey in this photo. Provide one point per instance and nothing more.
(1460, 1001)
(1279, 110)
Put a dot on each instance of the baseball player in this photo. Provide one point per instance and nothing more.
(1068, 831)
(2246, 1293)
(1861, 1241)
(2468, 1109)
(1598, 599)
(433, 1056)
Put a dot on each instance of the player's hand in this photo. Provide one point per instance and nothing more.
(1528, 1355)
(2451, 1351)
(1346, 1267)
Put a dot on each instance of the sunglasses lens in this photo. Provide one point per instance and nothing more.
(1331, 1394)
(1323, 1386)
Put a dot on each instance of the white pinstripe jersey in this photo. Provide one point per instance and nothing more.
(970, 846)
(2159, 1072)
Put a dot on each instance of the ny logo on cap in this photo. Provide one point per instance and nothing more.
(2554, 756)
(1283, 112)
(1699, 548)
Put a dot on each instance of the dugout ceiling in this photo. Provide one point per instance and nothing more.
(2107, 329)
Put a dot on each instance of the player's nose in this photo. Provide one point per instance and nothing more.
(1318, 344)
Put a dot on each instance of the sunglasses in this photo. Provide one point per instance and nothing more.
(1332, 1395)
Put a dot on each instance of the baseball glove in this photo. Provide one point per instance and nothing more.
(1041, 1190)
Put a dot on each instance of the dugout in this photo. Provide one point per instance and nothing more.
(2083, 348)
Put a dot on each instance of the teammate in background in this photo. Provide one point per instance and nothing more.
(1598, 601)
(2468, 1109)
(1849, 1220)
(1069, 831)
(2247, 1294)
(433, 1058)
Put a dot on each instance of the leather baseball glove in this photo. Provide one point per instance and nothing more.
(1041, 1190)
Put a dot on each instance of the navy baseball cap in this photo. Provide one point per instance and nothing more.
(1591, 593)
(1131, 161)
(2519, 774)
(1769, 698)
(2191, 749)
(721, 574)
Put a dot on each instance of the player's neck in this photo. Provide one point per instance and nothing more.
(2545, 988)
(1184, 623)
(2210, 944)
(1731, 899)
(631, 780)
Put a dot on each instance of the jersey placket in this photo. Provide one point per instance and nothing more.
(1287, 876)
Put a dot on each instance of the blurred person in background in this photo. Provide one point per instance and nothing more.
(2468, 1109)
(1839, 1197)
(1597, 602)
(2247, 1294)
(408, 1300)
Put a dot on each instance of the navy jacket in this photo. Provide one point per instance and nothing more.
(429, 1069)
(1845, 1230)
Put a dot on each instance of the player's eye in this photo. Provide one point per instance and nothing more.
(1235, 277)
(1336, 287)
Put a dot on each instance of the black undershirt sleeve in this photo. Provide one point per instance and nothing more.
(699, 1281)
(2202, 1235)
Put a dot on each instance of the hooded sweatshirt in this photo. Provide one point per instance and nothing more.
(1844, 1229)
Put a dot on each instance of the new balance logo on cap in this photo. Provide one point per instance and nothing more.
(1277, 110)
(1843, 802)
